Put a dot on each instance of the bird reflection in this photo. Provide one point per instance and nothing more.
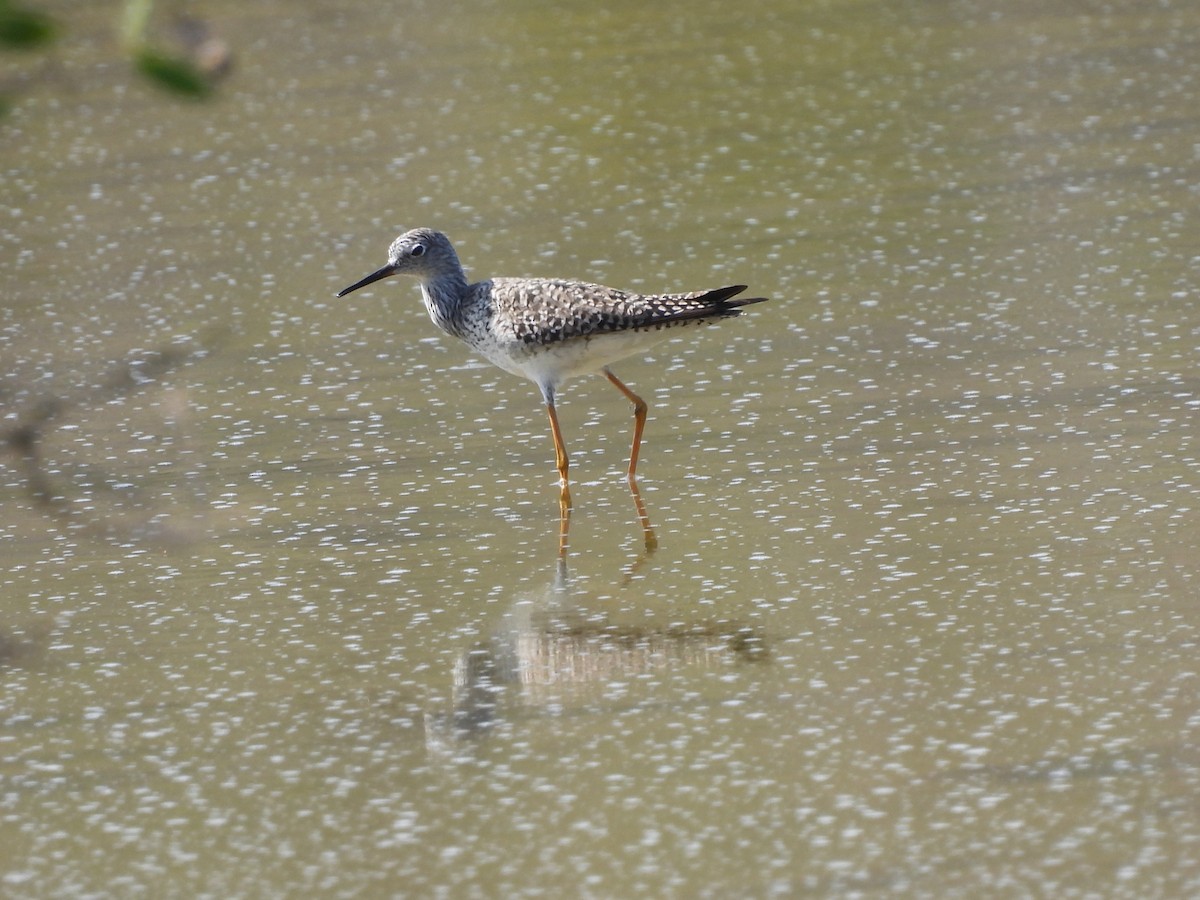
(649, 539)
(548, 648)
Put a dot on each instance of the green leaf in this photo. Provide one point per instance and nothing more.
(24, 29)
(172, 73)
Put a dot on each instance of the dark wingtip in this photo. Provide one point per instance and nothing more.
(720, 295)
(721, 299)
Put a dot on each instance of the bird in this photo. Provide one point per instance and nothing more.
(549, 329)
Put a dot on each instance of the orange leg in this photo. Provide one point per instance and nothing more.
(649, 539)
(560, 458)
(639, 418)
(564, 524)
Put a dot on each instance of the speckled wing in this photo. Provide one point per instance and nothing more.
(546, 311)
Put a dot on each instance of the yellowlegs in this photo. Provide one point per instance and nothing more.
(546, 329)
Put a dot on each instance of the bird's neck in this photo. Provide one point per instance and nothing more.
(444, 295)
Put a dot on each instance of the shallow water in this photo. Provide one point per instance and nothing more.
(283, 605)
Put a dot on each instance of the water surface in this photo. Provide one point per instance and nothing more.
(283, 605)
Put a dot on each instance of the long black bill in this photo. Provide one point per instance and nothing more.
(370, 279)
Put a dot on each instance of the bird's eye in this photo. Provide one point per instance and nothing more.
(417, 250)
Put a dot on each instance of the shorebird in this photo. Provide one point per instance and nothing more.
(547, 329)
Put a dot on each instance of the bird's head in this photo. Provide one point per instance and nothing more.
(423, 253)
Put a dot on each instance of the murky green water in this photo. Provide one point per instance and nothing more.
(282, 604)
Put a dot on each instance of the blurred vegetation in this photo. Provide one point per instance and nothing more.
(185, 60)
(24, 29)
(33, 416)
